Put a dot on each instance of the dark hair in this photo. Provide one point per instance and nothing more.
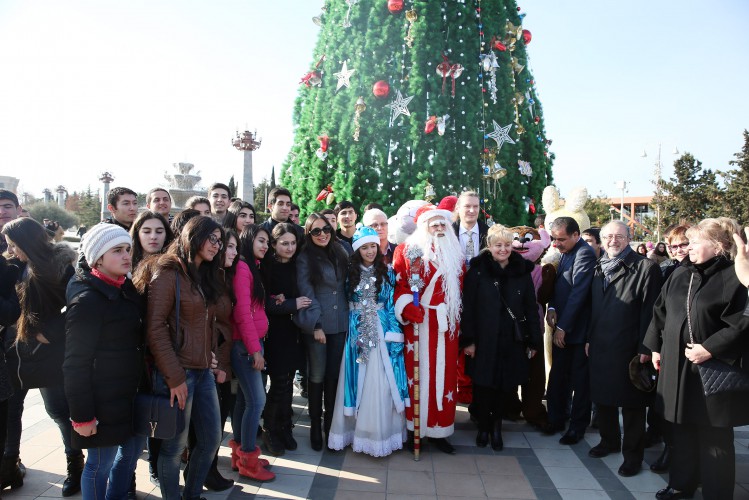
(569, 225)
(187, 246)
(179, 220)
(595, 232)
(219, 185)
(343, 205)
(354, 273)
(372, 205)
(42, 292)
(113, 196)
(327, 211)
(230, 271)
(9, 195)
(641, 245)
(247, 254)
(194, 200)
(276, 192)
(333, 250)
(294, 206)
(144, 216)
(148, 196)
(232, 213)
(661, 253)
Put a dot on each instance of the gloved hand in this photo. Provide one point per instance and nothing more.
(413, 314)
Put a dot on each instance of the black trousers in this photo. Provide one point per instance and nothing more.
(487, 406)
(633, 445)
(569, 377)
(278, 411)
(703, 454)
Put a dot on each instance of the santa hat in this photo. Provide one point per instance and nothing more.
(448, 203)
(429, 212)
(364, 235)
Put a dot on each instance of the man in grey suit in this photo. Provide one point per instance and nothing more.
(568, 316)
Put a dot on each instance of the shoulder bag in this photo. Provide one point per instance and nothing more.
(520, 326)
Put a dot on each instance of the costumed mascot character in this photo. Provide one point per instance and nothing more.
(403, 223)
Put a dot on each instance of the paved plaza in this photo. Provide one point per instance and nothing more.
(531, 466)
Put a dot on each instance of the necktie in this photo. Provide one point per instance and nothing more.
(469, 247)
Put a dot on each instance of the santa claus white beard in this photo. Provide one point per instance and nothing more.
(445, 254)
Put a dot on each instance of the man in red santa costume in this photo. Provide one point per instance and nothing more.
(431, 259)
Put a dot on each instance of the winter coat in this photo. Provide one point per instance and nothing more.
(10, 310)
(619, 318)
(329, 309)
(224, 341)
(190, 347)
(500, 361)
(718, 323)
(283, 344)
(103, 357)
(249, 322)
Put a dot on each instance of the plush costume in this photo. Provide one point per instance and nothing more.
(402, 224)
(437, 263)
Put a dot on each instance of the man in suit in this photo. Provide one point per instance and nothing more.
(471, 233)
(568, 316)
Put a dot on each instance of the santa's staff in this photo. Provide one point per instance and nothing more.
(414, 256)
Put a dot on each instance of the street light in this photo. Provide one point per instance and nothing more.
(623, 186)
(658, 184)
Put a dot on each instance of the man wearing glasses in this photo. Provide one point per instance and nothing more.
(568, 315)
(625, 286)
(377, 220)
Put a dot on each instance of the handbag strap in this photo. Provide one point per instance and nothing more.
(499, 292)
(689, 314)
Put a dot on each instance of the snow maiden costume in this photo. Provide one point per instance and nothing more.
(372, 391)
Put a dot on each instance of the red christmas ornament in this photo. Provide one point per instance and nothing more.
(381, 89)
(324, 193)
(444, 69)
(527, 36)
(518, 9)
(430, 125)
(395, 6)
(496, 44)
(311, 78)
(537, 119)
(532, 206)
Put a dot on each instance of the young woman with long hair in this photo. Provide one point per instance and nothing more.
(184, 355)
(40, 341)
(321, 276)
(151, 235)
(372, 386)
(250, 327)
(104, 361)
(283, 345)
(239, 215)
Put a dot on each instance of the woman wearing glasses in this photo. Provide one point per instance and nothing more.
(677, 243)
(321, 276)
(183, 353)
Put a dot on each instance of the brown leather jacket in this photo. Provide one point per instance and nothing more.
(191, 347)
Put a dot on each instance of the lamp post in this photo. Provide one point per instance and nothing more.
(623, 186)
(658, 181)
(247, 142)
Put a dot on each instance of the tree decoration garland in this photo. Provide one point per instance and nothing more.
(359, 108)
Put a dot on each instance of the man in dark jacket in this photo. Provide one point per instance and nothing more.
(122, 203)
(625, 286)
(567, 315)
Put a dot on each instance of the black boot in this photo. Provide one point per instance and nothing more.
(661, 465)
(10, 473)
(315, 415)
(72, 483)
(273, 443)
(214, 480)
(496, 435)
(285, 413)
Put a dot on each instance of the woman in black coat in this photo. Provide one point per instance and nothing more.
(497, 287)
(104, 361)
(705, 285)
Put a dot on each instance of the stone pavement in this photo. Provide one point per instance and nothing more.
(531, 466)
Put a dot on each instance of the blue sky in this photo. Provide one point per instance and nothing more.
(132, 87)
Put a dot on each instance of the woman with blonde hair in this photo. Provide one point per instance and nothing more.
(700, 316)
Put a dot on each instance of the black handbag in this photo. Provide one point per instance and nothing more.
(155, 417)
(717, 377)
(520, 326)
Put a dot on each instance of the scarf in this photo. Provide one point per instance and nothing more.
(106, 279)
(610, 265)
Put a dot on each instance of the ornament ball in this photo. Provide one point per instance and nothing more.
(381, 89)
(395, 6)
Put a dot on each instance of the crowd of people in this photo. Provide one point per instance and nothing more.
(384, 329)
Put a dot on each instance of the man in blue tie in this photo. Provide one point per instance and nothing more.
(568, 316)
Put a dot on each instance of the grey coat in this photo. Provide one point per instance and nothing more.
(324, 285)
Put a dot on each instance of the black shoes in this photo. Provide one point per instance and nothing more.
(482, 439)
(496, 436)
(288, 438)
(215, 481)
(668, 493)
(661, 465)
(571, 437)
(273, 443)
(10, 473)
(629, 469)
(602, 449)
(442, 445)
(549, 429)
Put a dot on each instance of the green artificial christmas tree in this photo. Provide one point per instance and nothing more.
(406, 96)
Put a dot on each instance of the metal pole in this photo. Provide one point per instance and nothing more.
(417, 407)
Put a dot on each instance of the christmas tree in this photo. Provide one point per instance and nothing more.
(404, 96)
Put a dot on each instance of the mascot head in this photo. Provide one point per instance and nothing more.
(530, 243)
(402, 224)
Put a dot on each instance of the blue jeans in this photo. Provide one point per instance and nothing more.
(202, 397)
(113, 464)
(250, 400)
(57, 408)
(324, 359)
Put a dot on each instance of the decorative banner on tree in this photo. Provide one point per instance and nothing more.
(344, 77)
(500, 134)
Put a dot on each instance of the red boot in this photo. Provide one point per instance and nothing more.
(235, 458)
(250, 466)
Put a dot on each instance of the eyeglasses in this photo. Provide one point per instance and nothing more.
(378, 225)
(216, 240)
(683, 246)
(616, 237)
(438, 223)
(319, 230)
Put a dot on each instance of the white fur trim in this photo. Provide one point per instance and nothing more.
(394, 337)
(425, 217)
(433, 432)
(401, 304)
